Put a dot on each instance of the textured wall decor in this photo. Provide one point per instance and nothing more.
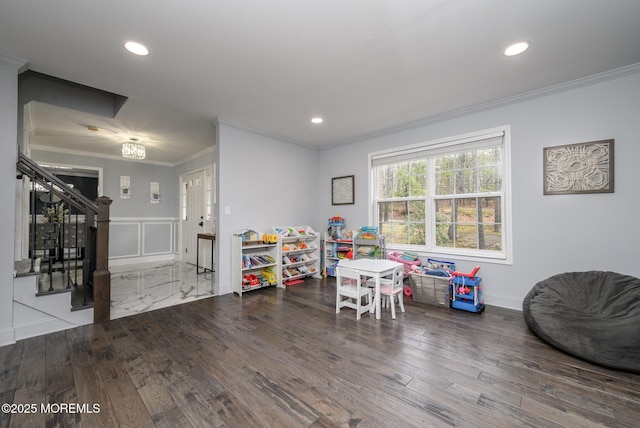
(342, 192)
(579, 168)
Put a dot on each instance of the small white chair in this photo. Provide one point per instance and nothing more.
(349, 285)
(390, 288)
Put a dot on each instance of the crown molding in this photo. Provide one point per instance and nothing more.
(549, 90)
(15, 63)
(220, 121)
(196, 156)
(97, 155)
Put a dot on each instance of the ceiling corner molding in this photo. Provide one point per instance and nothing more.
(246, 128)
(14, 63)
(195, 156)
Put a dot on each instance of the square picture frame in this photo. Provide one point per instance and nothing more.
(342, 192)
(579, 168)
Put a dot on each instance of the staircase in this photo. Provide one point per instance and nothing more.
(36, 312)
(65, 281)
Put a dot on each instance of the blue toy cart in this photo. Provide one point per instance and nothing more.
(465, 291)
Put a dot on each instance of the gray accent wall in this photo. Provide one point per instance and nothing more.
(138, 228)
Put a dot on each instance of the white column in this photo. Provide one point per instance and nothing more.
(9, 69)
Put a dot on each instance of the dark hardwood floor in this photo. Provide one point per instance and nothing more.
(284, 358)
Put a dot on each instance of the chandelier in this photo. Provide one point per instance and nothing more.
(132, 150)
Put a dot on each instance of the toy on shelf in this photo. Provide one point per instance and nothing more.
(465, 291)
(368, 232)
(337, 228)
(269, 238)
(249, 236)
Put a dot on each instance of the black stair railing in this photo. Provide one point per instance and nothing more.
(70, 246)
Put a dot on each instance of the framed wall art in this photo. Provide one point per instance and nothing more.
(342, 190)
(579, 168)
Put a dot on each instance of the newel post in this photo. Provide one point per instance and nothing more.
(102, 276)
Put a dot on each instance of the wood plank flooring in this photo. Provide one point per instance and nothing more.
(284, 358)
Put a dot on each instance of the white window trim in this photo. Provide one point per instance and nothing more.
(506, 256)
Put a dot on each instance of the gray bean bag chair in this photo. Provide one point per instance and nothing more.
(594, 316)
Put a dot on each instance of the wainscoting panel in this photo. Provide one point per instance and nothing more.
(124, 239)
(157, 238)
(136, 240)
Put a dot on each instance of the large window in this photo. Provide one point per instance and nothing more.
(447, 196)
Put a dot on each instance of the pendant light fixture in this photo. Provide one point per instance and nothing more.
(133, 150)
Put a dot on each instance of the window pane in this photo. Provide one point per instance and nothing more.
(490, 179)
(444, 234)
(417, 228)
(416, 211)
(465, 181)
(465, 160)
(393, 221)
(490, 156)
(401, 181)
(444, 183)
(402, 222)
(445, 163)
(385, 181)
(466, 236)
(417, 235)
(466, 211)
(489, 210)
(418, 178)
(490, 237)
(444, 210)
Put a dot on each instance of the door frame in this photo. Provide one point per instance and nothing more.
(209, 223)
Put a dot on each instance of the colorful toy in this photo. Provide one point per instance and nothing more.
(466, 293)
(397, 257)
(250, 280)
(337, 227)
(270, 276)
(270, 238)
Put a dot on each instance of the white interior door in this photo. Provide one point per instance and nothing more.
(193, 220)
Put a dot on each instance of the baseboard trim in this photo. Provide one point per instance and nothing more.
(7, 336)
(144, 259)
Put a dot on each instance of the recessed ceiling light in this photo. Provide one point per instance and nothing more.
(317, 120)
(516, 48)
(136, 48)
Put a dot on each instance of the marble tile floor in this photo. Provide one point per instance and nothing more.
(149, 286)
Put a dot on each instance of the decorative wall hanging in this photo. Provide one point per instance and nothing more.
(579, 168)
(155, 192)
(125, 187)
(342, 190)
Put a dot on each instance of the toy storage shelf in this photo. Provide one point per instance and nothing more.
(334, 251)
(250, 260)
(377, 248)
(299, 253)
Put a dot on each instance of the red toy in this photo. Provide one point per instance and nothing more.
(471, 275)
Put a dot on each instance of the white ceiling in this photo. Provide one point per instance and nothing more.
(363, 65)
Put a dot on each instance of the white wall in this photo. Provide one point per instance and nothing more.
(265, 183)
(551, 234)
